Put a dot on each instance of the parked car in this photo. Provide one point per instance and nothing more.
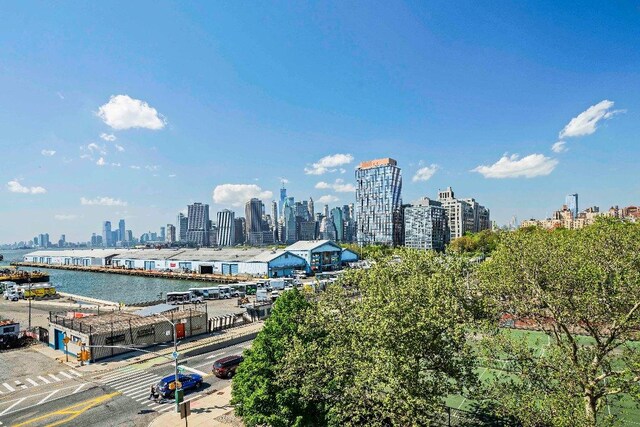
(166, 387)
(226, 367)
(274, 295)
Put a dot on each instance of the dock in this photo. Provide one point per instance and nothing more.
(196, 277)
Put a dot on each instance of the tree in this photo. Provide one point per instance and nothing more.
(483, 242)
(390, 353)
(582, 288)
(259, 398)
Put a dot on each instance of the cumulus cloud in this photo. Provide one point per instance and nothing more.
(513, 167)
(102, 201)
(152, 168)
(116, 164)
(48, 153)
(338, 186)
(134, 167)
(108, 137)
(65, 217)
(15, 187)
(328, 164)
(124, 112)
(425, 173)
(586, 122)
(328, 198)
(119, 147)
(559, 147)
(238, 194)
(101, 162)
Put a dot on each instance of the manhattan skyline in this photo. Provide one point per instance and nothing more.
(515, 104)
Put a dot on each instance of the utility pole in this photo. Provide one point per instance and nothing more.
(175, 358)
(29, 281)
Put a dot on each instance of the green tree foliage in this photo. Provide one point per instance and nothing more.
(389, 353)
(371, 252)
(483, 242)
(259, 398)
(582, 287)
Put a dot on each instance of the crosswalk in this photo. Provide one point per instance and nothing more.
(24, 383)
(136, 384)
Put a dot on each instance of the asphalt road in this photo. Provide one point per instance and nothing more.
(115, 398)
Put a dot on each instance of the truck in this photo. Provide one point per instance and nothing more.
(9, 333)
(261, 295)
(186, 297)
(277, 284)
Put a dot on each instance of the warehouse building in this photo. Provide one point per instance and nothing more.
(320, 255)
(81, 257)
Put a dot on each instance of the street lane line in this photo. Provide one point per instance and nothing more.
(79, 388)
(166, 409)
(66, 375)
(47, 397)
(33, 382)
(54, 377)
(9, 387)
(43, 379)
(11, 407)
(77, 374)
(195, 371)
(214, 356)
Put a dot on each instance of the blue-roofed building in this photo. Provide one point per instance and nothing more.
(320, 255)
(281, 263)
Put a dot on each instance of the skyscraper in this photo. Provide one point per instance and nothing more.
(378, 202)
(106, 234)
(572, 204)
(171, 233)
(310, 206)
(226, 228)
(463, 215)
(240, 230)
(198, 225)
(182, 225)
(162, 234)
(290, 228)
(121, 231)
(283, 197)
(338, 221)
(425, 225)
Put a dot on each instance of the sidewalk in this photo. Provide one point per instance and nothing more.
(151, 358)
(212, 410)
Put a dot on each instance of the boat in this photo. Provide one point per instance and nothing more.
(22, 276)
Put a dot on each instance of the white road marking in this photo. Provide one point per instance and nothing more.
(79, 388)
(47, 397)
(43, 379)
(117, 374)
(66, 375)
(166, 409)
(124, 382)
(10, 407)
(54, 377)
(195, 371)
(204, 364)
(77, 374)
(20, 384)
(144, 383)
(33, 382)
(9, 387)
(215, 355)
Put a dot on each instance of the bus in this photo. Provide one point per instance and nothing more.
(186, 297)
(39, 290)
(207, 293)
(239, 290)
(225, 292)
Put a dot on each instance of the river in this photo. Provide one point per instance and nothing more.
(110, 287)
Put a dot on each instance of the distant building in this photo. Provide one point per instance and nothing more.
(572, 204)
(182, 225)
(308, 230)
(425, 225)
(106, 234)
(171, 233)
(311, 208)
(239, 231)
(338, 221)
(163, 235)
(327, 230)
(378, 202)
(122, 237)
(62, 241)
(289, 218)
(198, 226)
(226, 228)
(463, 215)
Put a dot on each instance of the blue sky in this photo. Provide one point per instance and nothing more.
(199, 95)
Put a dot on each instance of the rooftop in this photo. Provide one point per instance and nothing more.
(268, 256)
(307, 245)
(387, 161)
(79, 253)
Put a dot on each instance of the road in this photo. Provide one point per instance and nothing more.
(113, 398)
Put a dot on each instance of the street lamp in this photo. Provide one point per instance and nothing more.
(29, 281)
(175, 357)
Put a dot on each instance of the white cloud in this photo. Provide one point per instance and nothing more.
(124, 112)
(108, 137)
(425, 173)
(513, 167)
(284, 180)
(102, 201)
(152, 168)
(101, 162)
(329, 164)
(586, 122)
(116, 164)
(559, 147)
(238, 194)
(60, 95)
(93, 147)
(15, 187)
(338, 186)
(328, 198)
(134, 167)
(65, 217)
(173, 175)
(48, 153)
(119, 147)
(86, 156)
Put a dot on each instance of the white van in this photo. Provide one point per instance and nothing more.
(261, 295)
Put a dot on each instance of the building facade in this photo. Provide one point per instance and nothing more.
(425, 225)
(106, 234)
(198, 225)
(226, 228)
(378, 202)
(463, 215)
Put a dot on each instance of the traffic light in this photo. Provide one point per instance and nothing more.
(79, 357)
(84, 355)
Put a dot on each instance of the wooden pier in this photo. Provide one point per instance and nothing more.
(196, 277)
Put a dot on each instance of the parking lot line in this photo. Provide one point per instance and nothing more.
(33, 382)
(54, 377)
(9, 387)
(43, 379)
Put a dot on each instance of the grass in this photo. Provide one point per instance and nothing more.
(626, 409)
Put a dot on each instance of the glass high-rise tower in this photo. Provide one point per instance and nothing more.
(379, 203)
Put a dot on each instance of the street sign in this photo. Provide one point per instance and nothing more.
(175, 354)
(66, 340)
(185, 409)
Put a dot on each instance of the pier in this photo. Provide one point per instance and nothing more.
(196, 277)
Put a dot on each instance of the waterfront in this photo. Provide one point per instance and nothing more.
(111, 287)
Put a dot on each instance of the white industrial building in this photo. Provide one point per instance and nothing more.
(79, 257)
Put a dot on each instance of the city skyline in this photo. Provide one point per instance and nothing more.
(111, 129)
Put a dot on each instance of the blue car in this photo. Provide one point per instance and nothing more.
(166, 388)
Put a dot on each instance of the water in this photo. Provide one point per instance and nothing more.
(110, 287)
